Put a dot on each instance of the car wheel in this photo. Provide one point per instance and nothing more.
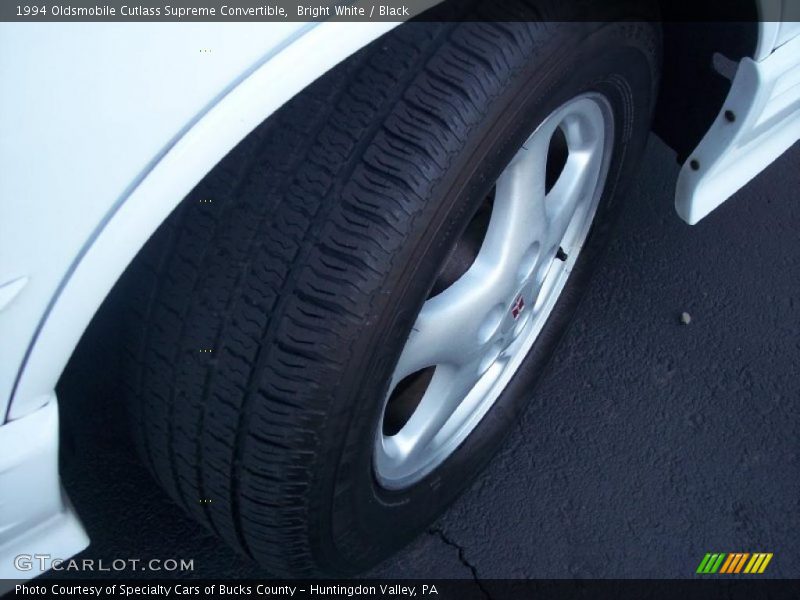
(339, 325)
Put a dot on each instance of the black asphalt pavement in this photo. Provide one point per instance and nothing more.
(649, 443)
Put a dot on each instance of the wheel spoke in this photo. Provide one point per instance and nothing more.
(453, 326)
(447, 390)
(575, 186)
(581, 133)
(565, 197)
(519, 216)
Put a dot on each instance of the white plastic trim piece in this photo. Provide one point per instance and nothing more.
(35, 516)
(759, 121)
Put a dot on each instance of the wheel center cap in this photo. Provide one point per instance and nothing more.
(517, 307)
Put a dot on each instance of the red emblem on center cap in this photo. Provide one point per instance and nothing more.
(517, 307)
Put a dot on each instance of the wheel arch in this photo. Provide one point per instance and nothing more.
(149, 200)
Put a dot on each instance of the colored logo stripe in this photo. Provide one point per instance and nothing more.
(740, 564)
(758, 563)
(734, 562)
(710, 563)
(728, 562)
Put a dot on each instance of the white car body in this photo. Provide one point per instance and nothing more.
(104, 129)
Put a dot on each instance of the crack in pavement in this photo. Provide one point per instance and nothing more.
(462, 558)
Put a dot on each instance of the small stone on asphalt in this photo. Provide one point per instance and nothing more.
(686, 318)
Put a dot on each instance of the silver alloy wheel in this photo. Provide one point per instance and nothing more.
(473, 335)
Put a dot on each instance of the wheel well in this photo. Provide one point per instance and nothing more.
(703, 43)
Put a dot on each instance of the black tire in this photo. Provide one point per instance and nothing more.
(274, 302)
